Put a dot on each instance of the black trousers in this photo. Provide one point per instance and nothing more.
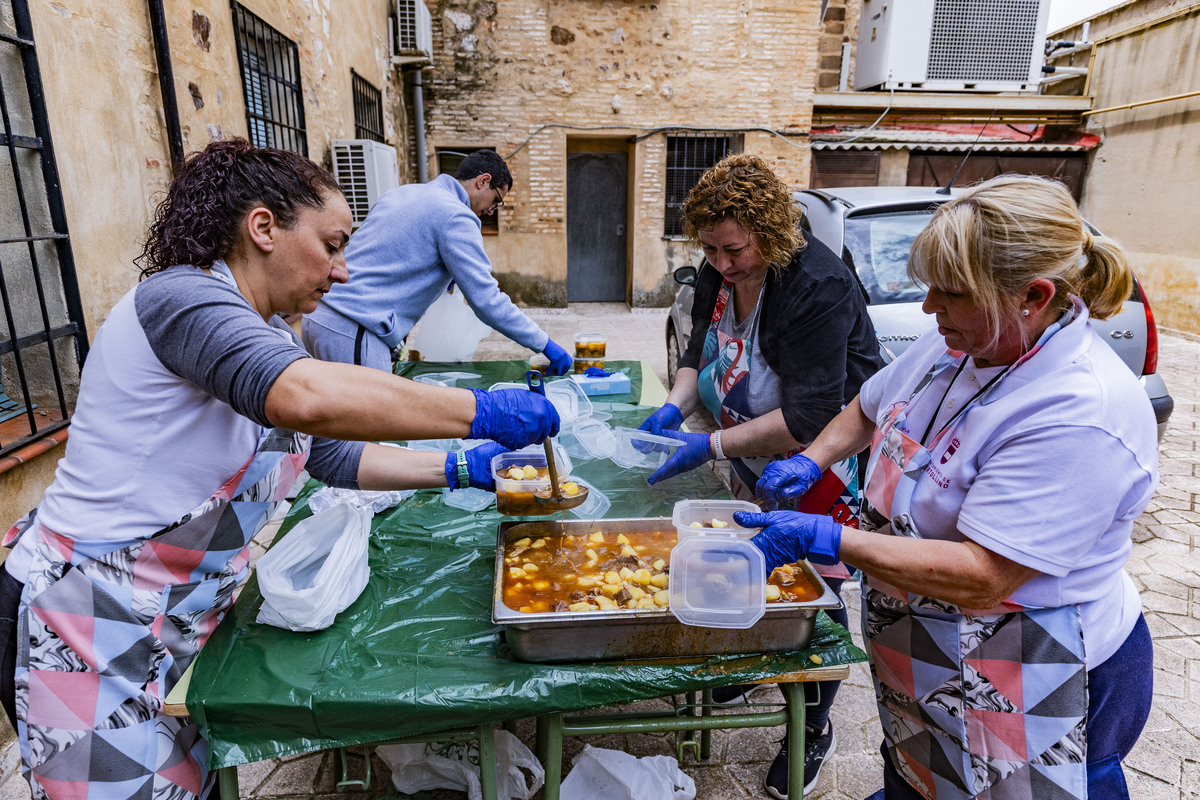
(10, 602)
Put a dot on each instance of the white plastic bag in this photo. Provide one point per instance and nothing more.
(316, 570)
(327, 497)
(600, 774)
(449, 331)
(455, 765)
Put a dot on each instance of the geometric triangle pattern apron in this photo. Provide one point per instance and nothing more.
(974, 703)
(723, 385)
(106, 629)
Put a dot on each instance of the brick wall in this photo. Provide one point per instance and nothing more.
(506, 69)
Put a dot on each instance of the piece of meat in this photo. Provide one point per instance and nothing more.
(560, 605)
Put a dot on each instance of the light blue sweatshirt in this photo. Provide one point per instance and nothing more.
(415, 239)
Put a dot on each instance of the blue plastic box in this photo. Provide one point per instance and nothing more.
(617, 383)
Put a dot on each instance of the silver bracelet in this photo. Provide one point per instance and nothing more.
(714, 442)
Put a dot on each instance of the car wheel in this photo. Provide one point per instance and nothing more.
(672, 355)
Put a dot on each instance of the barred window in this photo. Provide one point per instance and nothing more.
(368, 108)
(270, 67)
(688, 156)
(42, 337)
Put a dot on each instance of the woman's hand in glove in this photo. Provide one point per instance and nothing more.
(560, 360)
(789, 536)
(784, 482)
(667, 418)
(513, 417)
(696, 450)
(478, 461)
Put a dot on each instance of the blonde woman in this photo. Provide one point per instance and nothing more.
(1011, 452)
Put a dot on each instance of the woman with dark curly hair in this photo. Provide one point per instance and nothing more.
(781, 341)
(197, 410)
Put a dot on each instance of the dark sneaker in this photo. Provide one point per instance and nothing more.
(738, 693)
(818, 748)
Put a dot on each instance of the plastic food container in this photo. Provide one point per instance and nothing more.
(567, 397)
(590, 345)
(581, 364)
(444, 445)
(637, 449)
(718, 581)
(588, 439)
(468, 499)
(540, 363)
(698, 516)
(515, 497)
(445, 378)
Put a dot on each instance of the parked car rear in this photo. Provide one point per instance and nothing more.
(873, 228)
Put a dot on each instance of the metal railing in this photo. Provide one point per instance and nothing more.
(43, 340)
(368, 108)
(269, 63)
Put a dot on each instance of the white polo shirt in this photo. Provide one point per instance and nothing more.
(1049, 470)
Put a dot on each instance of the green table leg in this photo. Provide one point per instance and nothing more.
(227, 782)
(706, 710)
(793, 694)
(487, 761)
(549, 743)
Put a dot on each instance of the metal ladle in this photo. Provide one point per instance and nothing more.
(553, 500)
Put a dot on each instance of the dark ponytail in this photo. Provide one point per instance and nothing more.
(197, 223)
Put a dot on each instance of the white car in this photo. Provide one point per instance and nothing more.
(873, 228)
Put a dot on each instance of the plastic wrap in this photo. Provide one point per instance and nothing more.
(417, 652)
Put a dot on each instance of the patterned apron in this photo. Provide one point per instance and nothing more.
(107, 628)
(974, 703)
(724, 386)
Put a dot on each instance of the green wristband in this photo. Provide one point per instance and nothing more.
(464, 474)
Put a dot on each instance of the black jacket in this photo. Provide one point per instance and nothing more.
(814, 332)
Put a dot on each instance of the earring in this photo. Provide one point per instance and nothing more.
(1025, 312)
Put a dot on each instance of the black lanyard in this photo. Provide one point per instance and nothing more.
(965, 405)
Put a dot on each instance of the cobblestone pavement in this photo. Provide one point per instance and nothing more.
(1165, 765)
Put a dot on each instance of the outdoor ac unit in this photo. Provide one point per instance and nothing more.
(413, 40)
(951, 45)
(365, 169)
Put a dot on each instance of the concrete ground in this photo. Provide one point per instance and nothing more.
(1165, 563)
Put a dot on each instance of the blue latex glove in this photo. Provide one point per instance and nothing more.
(696, 450)
(513, 417)
(479, 467)
(667, 418)
(596, 372)
(560, 360)
(784, 482)
(788, 536)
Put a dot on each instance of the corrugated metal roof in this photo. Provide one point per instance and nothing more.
(950, 138)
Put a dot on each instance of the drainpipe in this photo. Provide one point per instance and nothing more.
(166, 81)
(419, 127)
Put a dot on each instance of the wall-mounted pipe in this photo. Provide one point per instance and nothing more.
(419, 127)
(166, 81)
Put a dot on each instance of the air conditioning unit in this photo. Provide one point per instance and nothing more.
(951, 45)
(365, 169)
(412, 42)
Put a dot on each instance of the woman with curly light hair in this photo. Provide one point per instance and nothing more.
(781, 342)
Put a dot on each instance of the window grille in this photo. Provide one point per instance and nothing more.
(42, 339)
(448, 162)
(368, 108)
(688, 156)
(270, 67)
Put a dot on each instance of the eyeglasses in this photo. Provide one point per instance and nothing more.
(499, 200)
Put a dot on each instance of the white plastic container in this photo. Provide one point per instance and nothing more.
(445, 378)
(642, 450)
(567, 397)
(515, 497)
(718, 581)
(688, 513)
(596, 505)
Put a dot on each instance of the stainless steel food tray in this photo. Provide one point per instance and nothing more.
(598, 635)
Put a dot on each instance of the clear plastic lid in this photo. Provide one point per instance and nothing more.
(567, 397)
(718, 581)
(636, 449)
(711, 516)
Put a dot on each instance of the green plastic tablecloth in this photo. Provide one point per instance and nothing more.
(418, 652)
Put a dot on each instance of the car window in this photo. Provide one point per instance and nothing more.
(878, 246)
